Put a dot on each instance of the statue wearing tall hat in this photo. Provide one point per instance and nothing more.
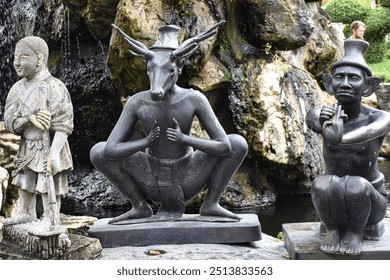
(168, 165)
(350, 197)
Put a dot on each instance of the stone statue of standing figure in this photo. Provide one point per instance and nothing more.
(39, 109)
(350, 197)
(169, 165)
(4, 176)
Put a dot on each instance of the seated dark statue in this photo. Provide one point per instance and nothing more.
(350, 197)
(169, 165)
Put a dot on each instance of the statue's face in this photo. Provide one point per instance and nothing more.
(163, 73)
(348, 84)
(25, 61)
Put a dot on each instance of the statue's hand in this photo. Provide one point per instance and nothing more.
(36, 123)
(174, 134)
(154, 133)
(44, 118)
(327, 112)
(332, 129)
(53, 163)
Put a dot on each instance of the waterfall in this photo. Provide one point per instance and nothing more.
(7, 44)
(65, 42)
(22, 18)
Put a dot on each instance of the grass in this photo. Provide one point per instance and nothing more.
(381, 69)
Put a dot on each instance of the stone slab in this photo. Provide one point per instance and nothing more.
(268, 248)
(248, 229)
(302, 241)
(82, 248)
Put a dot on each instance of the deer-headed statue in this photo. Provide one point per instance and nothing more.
(165, 59)
(169, 165)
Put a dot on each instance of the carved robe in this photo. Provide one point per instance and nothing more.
(50, 94)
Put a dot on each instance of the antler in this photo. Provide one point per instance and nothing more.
(190, 45)
(137, 47)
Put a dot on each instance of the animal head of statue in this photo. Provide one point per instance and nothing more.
(165, 59)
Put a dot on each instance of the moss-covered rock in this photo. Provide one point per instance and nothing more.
(98, 14)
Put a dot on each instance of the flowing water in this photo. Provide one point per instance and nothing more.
(8, 38)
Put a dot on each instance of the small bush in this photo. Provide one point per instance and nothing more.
(345, 11)
(384, 3)
(376, 52)
(377, 24)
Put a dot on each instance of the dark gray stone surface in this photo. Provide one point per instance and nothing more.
(248, 229)
(268, 248)
(302, 241)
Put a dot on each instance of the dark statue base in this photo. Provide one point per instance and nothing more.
(185, 231)
(302, 241)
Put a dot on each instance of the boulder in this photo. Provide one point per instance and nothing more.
(283, 25)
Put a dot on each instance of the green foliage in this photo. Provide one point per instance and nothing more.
(376, 20)
(376, 52)
(381, 69)
(365, 3)
(281, 63)
(346, 11)
(227, 77)
(377, 24)
(384, 3)
(267, 48)
(182, 2)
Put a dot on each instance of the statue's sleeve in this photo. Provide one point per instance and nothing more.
(13, 121)
(61, 108)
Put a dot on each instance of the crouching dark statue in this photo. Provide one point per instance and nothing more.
(168, 165)
(350, 197)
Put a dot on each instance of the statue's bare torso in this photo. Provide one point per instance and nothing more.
(178, 106)
(364, 154)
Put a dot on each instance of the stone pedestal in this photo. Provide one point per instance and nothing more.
(186, 231)
(43, 245)
(82, 248)
(302, 241)
(17, 243)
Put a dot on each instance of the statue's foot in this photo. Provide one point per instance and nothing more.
(20, 218)
(134, 213)
(351, 244)
(216, 210)
(45, 226)
(46, 222)
(331, 242)
(64, 239)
